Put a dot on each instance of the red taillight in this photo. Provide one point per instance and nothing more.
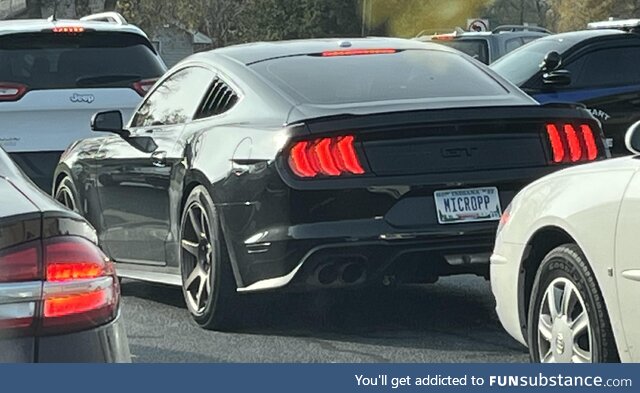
(556, 143)
(358, 52)
(570, 144)
(575, 150)
(68, 29)
(65, 284)
(12, 91)
(142, 87)
(80, 289)
(443, 37)
(590, 142)
(325, 157)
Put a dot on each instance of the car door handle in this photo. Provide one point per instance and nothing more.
(159, 159)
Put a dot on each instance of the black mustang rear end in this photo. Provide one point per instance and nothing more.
(409, 196)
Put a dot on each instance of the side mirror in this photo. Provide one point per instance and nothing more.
(557, 78)
(632, 138)
(551, 61)
(110, 121)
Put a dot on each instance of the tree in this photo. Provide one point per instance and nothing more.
(575, 14)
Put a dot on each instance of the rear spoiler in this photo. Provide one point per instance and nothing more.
(546, 112)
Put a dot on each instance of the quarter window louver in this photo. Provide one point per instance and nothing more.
(219, 99)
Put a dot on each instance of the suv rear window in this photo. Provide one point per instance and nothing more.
(92, 59)
(404, 75)
(478, 49)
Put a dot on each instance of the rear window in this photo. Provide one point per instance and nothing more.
(405, 75)
(95, 59)
(478, 49)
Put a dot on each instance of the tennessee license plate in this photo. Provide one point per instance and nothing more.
(468, 205)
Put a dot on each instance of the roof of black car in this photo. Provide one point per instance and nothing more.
(259, 51)
(581, 35)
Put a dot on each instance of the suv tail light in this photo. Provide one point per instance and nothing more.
(61, 285)
(142, 87)
(571, 144)
(328, 157)
(12, 91)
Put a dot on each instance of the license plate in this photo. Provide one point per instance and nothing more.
(468, 205)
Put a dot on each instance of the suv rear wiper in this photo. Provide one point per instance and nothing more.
(106, 80)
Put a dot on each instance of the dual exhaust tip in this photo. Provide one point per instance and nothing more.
(340, 273)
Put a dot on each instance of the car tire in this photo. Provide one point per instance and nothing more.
(67, 195)
(203, 256)
(577, 328)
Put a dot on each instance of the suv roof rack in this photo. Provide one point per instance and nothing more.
(109, 17)
(620, 24)
(514, 28)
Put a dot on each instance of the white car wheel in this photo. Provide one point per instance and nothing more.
(568, 320)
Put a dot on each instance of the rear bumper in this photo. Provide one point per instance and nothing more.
(361, 252)
(104, 344)
(38, 166)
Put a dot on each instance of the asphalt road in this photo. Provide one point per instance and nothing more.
(451, 321)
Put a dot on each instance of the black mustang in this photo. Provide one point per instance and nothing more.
(315, 164)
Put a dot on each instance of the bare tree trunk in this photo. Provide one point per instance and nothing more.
(110, 5)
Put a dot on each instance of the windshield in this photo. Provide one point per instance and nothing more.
(478, 49)
(523, 63)
(48, 61)
(405, 75)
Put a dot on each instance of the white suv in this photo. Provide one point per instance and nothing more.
(55, 74)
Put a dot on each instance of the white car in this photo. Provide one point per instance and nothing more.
(566, 265)
(55, 74)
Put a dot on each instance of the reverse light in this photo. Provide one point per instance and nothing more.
(142, 87)
(12, 91)
(358, 52)
(330, 157)
(571, 144)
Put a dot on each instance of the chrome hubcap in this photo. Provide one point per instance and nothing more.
(65, 197)
(564, 329)
(197, 258)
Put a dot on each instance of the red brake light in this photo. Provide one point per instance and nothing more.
(56, 307)
(347, 157)
(572, 144)
(556, 143)
(81, 289)
(590, 142)
(358, 52)
(325, 156)
(142, 87)
(68, 29)
(575, 150)
(443, 37)
(63, 284)
(299, 161)
(12, 91)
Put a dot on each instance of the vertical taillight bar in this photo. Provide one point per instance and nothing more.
(572, 144)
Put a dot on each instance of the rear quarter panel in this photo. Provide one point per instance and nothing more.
(584, 203)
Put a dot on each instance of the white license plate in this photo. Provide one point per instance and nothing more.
(468, 205)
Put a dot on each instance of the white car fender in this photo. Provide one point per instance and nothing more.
(578, 201)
